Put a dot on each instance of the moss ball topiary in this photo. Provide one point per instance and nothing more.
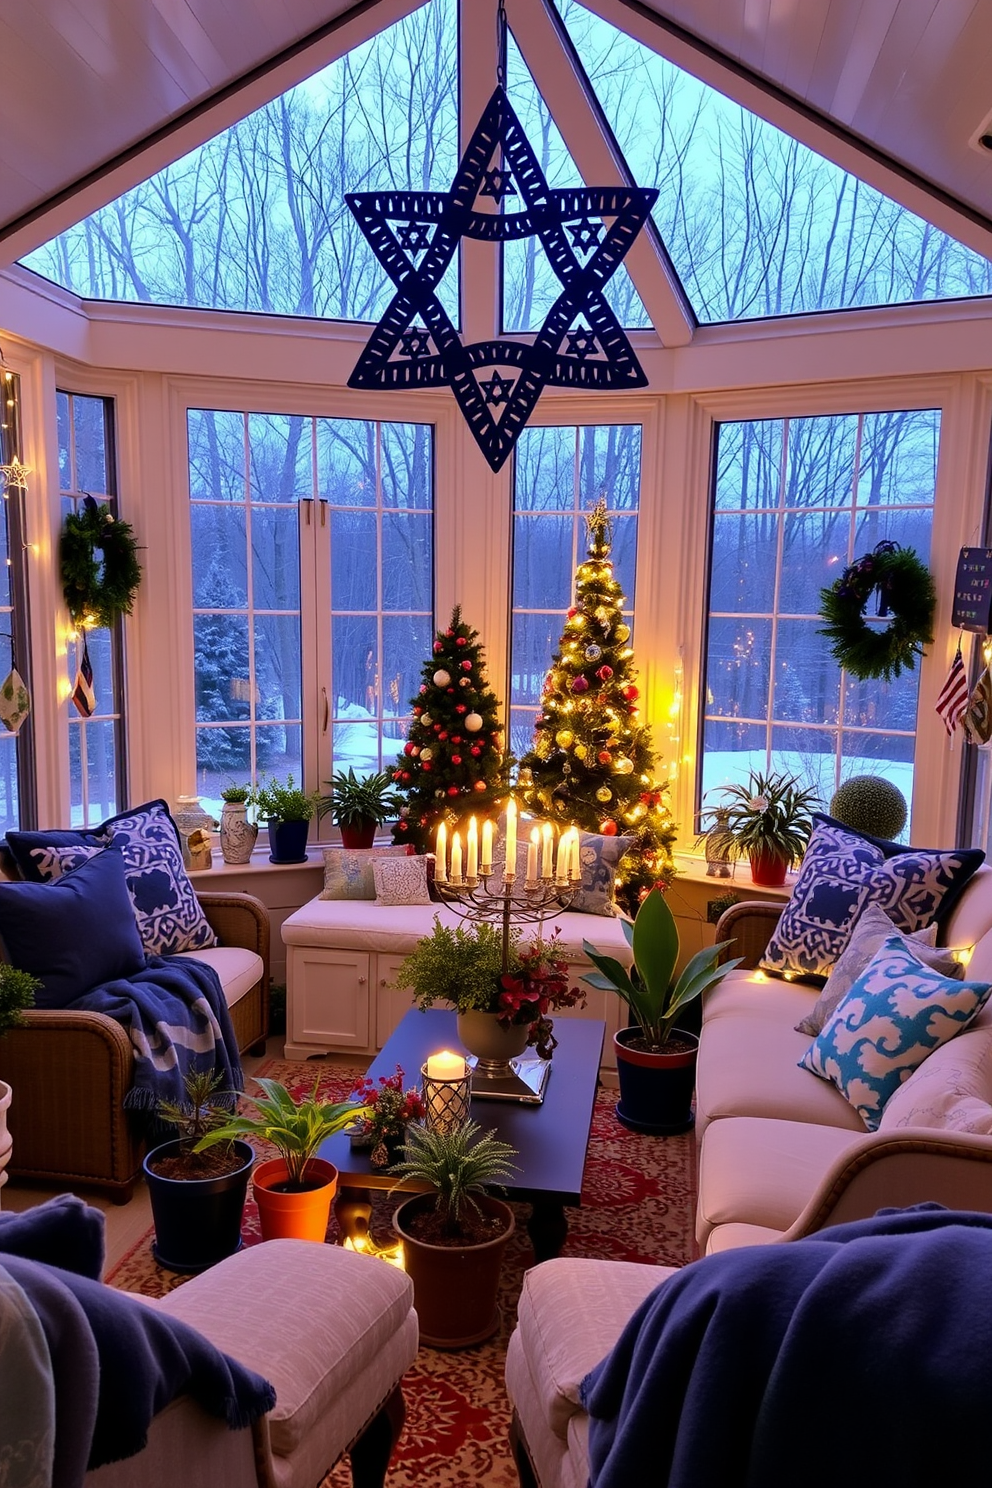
(869, 803)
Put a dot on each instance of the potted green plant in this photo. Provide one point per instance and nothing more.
(238, 833)
(288, 809)
(294, 1190)
(656, 1063)
(769, 820)
(17, 993)
(359, 804)
(197, 1198)
(454, 1236)
(502, 989)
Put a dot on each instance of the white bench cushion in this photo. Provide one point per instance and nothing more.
(239, 969)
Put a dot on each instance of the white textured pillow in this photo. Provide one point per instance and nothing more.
(401, 881)
(348, 870)
(951, 1091)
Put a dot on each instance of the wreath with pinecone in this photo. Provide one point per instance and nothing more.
(906, 598)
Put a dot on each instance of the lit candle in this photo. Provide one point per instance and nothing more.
(547, 851)
(472, 847)
(487, 847)
(456, 859)
(511, 838)
(445, 1066)
(441, 855)
(561, 865)
(574, 870)
(535, 838)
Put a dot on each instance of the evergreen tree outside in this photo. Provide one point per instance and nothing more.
(592, 762)
(452, 762)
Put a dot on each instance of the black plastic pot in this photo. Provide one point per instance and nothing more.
(655, 1089)
(197, 1220)
(288, 841)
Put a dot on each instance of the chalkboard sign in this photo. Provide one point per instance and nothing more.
(973, 590)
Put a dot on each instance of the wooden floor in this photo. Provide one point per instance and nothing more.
(126, 1223)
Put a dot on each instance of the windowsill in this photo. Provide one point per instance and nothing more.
(692, 868)
(259, 861)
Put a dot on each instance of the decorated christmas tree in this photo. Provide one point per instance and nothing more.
(452, 762)
(592, 762)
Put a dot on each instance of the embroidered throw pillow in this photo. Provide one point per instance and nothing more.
(401, 881)
(950, 1091)
(348, 871)
(75, 932)
(841, 873)
(166, 908)
(598, 859)
(871, 930)
(897, 1012)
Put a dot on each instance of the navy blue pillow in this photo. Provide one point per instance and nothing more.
(74, 933)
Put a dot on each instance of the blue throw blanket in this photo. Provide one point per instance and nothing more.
(862, 1355)
(177, 1019)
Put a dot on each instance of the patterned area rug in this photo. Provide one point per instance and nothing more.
(637, 1205)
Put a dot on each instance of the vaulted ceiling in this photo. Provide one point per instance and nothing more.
(97, 94)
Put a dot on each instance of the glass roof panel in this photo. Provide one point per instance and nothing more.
(256, 219)
(757, 224)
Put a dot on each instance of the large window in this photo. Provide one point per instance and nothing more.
(559, 475)
(88, 467)
(312, 543)
(795, 501)
(16, 755)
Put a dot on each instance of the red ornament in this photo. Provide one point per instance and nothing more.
(456, 759)
(397, 775)
(408, 748)
(475, 751)
(449, 632)
(466, 665)
(608, 828)
(460, 708)
(417, 708)
(605, 757)
(425, 766)
(401, 826)
(630, 693)
(461, 641)
(423, 686)
(605, 673)
(573, 612)
(456, 738)
(479, 785)
(450, 690)
(405, 777)
(438, 648)
(442, 734)
(453, 790)
(579, 684)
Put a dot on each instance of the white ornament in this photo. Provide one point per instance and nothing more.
(473, 722)
(464, 681)
(425, 719)
(442, 678)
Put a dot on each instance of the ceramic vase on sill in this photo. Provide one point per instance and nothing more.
(237, 833)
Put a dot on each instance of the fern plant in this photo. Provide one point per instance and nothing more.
(457, 1164)
(17, 992)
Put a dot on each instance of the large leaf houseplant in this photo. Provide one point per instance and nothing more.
(656, 1061)
(359, 804)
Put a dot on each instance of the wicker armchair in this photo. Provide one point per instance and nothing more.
(70, 1073)
(748, 926)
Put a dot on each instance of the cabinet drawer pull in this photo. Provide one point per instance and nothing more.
(361, 981)
(383, 982)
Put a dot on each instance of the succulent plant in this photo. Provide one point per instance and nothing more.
(872, 804)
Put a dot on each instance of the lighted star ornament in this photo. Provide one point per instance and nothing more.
(601, 221)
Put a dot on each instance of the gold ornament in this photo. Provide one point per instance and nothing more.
(604, 793)
(624, 766)
(580, 751)
(564, 738)
(622, 632)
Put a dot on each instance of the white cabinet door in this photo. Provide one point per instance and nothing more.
(328, 1002)
(390, 1002)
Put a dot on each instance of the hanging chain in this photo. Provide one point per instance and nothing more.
(501, 44)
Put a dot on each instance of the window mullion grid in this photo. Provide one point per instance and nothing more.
(249, 603)
(853, 506)
(377, 674)
(779, 550)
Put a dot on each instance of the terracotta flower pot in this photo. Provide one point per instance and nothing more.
(455, 1288)
(655, 1088)
(769, 869)
(294, 1215)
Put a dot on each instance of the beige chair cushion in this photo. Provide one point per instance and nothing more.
(971, 917)
(734, 1236)
(762, 1172)
(950, 1091)
(310, 1318)
(754, 994)
(750, 1067)
(238, 969)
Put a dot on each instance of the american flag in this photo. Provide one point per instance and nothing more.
(953, 698)
(82, 696)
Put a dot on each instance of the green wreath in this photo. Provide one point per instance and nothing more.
(97, 592)
(906, 594)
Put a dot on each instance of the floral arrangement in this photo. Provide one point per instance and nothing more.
(536, 987)
(390, 1109)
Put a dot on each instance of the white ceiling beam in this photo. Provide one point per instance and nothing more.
(588, 136)
(642, 20)
(203, 121)
(481, 310)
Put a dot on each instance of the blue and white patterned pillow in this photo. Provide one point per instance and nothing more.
(598, 859)
(897, 1012)
(841, 873)
(167, 911)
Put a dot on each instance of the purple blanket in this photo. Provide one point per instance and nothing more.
(861, 1355)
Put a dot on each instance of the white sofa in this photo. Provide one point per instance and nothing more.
(781, 1155)
(343, 957)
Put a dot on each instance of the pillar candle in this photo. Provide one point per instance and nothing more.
(511, 838)
(535, 838)
(441, 854)
(445, 1066)
(575, 871)
(472, 849)
(487, 847)
(547, 851)
(562, 860)
(456, 859)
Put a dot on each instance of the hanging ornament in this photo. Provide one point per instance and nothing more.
(460, 708)
(442, 678)
(426, 720)
(456, 759)
(475, 751)
(580, 751)
(478, 785)
(466, 665)
(564, 738)
(605, 673)
(624, 766)
(453, 790)
(579, 684)
(631, 693)
(464, 681)
(604, 793)
(473, 722)
(622, 632)
(608, 828)
(438, 795)
(403, 227)
(438, 648)
(15, 701)
(426, 755)
(566, 769)
(605, 757)
(593, 653)
(461, 641)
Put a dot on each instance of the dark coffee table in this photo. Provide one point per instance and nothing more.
(551, 1139)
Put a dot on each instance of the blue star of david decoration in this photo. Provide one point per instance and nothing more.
(414, 236)
(585, 234)
(547, 361)
(414, 344)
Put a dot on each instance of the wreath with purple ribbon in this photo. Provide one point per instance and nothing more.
(906, 598)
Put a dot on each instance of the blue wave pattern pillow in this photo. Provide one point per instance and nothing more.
(167, 911)
(841, 873)
(897, 1012)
